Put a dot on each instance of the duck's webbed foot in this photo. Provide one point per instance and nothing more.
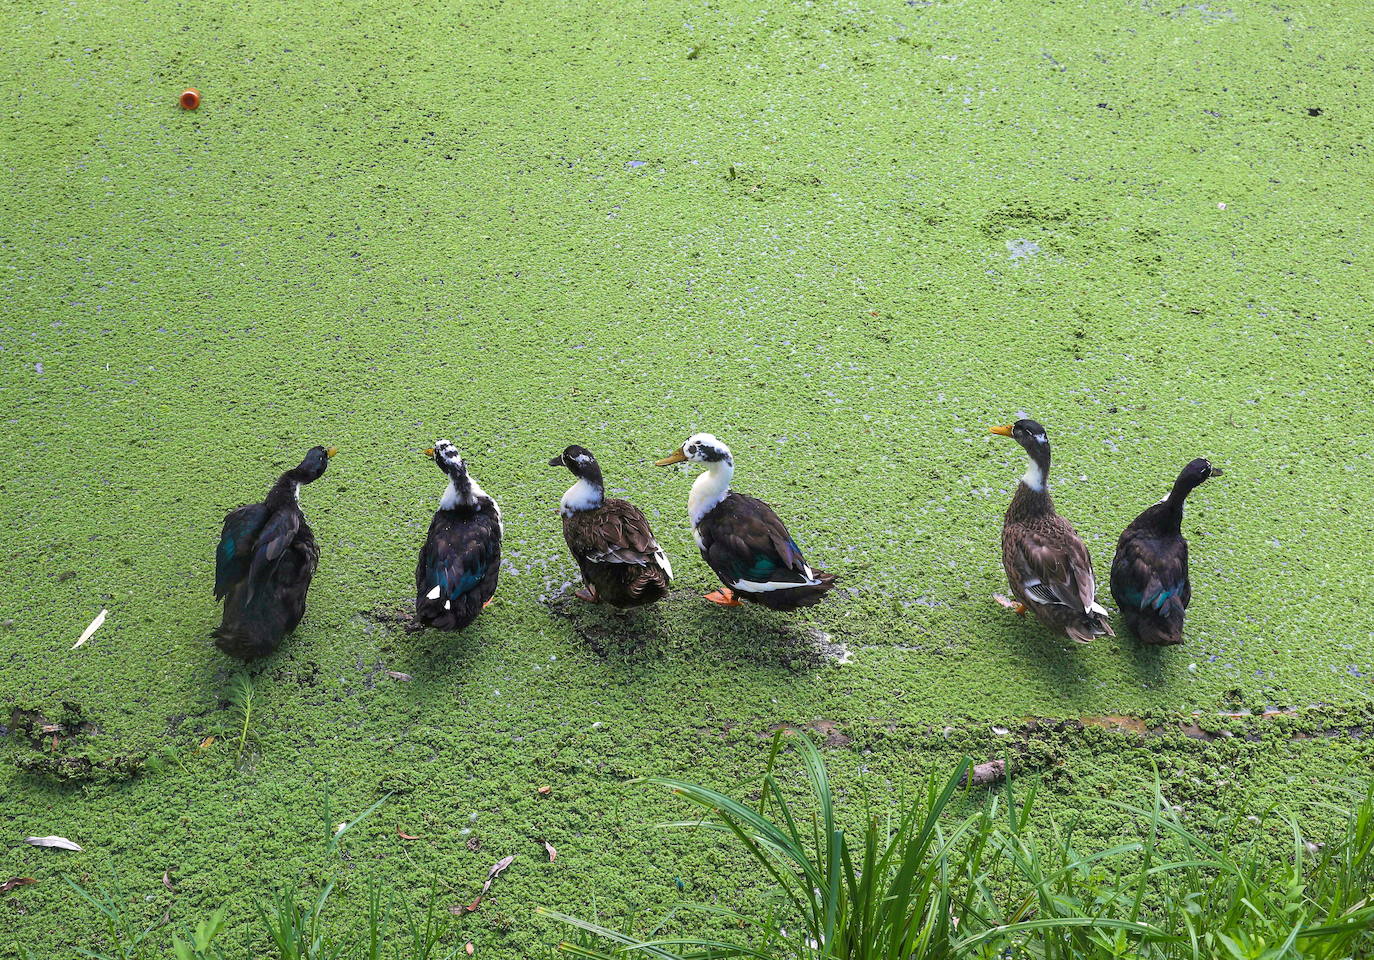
(724, 596)
(1015, 606)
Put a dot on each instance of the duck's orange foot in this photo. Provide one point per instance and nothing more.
(724, 596)
(488, 603)
(1015, 606)
(587, 594)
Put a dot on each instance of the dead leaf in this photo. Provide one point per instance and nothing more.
(13, 882)
(552, 852)
(492, 874)
(496, 869)
(167, 880)
(398, 675)
(206, 743)
(474, 844)
(59, 843)
(545, 791)
(89, 631)
(405, 836)
(468, 948)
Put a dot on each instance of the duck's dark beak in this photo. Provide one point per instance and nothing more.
(677, 456)
(1001, 431)
(429, 452)
(556, 461)
(330, 451)
(1215, 471)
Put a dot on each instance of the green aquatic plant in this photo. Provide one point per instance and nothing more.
(928, 884)
(241, 699)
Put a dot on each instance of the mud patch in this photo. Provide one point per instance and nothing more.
(81, 768)
(60, 752)
(41, 731)
(608, 631)
(391, 615)
(827, 731)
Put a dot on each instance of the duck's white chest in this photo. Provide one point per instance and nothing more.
(708, 490)
(582, 495)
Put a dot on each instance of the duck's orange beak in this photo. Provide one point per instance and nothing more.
(677, 456)
(429, 452)
(329, 452)
(1001, 431)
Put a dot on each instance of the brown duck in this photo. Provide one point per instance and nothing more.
(621, 562)
(1047, 565)
(742, 539)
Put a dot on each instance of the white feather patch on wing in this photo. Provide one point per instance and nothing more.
(1040, 593)
(661, 559)
(90, 630)
(750, 586)
(448, 605)
(433, 594)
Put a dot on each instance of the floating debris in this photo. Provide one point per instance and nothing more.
(56, 843)
(90, 630)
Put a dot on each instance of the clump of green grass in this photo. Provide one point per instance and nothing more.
(924, 885)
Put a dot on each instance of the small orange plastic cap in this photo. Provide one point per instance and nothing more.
(190, 98)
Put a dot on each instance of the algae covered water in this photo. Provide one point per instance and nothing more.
(845, 238)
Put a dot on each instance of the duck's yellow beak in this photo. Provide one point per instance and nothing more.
(677, 456)
(1001, 431)
(429, 452)
(330, 451)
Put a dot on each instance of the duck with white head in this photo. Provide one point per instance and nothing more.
(460, 561)
(742, 539)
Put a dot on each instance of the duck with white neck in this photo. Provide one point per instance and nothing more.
(621, 562)
(1048, 566)
(742, 539)
(460, 562)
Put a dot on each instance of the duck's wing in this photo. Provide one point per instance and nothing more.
(1151, 575)
(277, 534)
(1054, 567)
(749, 547)
(458, 554)
(615, 532)
(237, 540)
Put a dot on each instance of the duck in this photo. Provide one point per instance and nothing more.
(611, 540)
(266, 558)
(742, 539)
(460, 562)
(1150, 570)
(1048, 567)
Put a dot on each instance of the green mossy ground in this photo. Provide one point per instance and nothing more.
(845, 238)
